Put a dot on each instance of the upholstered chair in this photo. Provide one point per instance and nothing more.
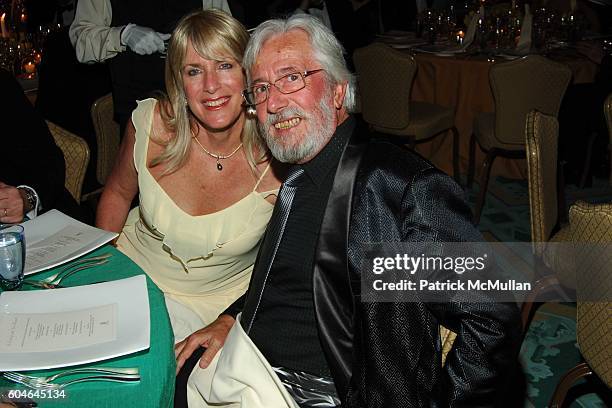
(608, 114)
(76, 156)
(591, 233)
(385, 78)
(519, 86)
(107, 136)
(553, 266)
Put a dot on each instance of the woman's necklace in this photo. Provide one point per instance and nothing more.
(218, 156)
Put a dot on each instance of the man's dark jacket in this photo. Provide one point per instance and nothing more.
(31, 156)
(388, 354)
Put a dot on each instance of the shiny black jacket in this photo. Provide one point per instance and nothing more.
(388, 354)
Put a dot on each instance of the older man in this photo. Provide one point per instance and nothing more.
(305, 336)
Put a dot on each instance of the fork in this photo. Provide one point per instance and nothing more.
(54, 386)
(83, 370)
(55, 279)
(78, 263)
(114, 378)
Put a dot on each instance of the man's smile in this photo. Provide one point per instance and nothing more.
(287, 124)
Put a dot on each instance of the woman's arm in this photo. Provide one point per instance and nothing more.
(121, 186)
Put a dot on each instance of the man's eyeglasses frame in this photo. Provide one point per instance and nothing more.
(249, 93)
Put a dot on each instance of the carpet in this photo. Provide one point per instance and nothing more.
(506, 211)
(549, 348)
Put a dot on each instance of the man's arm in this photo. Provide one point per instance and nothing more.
(91, 35)
(218, 4)
(484, 354)
(26, 135)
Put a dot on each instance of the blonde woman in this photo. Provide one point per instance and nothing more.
(206, 184)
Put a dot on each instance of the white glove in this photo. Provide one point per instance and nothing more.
(143, 40)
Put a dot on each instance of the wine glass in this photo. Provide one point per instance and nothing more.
(12, 256)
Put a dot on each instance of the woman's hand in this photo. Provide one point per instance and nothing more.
(11, 204)
(212, 337)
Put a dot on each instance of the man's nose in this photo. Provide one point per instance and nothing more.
(276, 100)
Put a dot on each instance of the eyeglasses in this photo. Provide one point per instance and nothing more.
(290, 83)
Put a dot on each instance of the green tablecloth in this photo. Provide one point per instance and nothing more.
(157, 364)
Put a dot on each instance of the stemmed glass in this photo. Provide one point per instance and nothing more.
(12, 256)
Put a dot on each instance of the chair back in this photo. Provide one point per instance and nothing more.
(541, 137)
(608, 114)
(76, 156)
(107, 136)
(592, 224)
(384, 76)
(522, 85)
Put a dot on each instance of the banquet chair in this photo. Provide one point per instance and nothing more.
(608, 114)
(520, 86)
(76, 156)
(555, 265)
(385, 78)
(107, 136)
(591, 233)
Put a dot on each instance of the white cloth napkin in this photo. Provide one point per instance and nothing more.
(524, 43)
(471, 30)
(238, 377)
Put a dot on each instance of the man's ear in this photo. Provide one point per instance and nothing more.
(339, 94)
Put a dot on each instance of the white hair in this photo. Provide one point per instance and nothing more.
(326, 48)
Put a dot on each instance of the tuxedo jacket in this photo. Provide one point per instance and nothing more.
(385, 354)
(31, 156)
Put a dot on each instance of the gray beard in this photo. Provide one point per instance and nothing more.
(312, 143)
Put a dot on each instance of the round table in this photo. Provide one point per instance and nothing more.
(463, 83)
(157, 364)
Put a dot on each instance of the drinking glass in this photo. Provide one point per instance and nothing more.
(12, 257)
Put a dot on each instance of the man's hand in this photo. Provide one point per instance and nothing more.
(12, 204)
(143, 40)
(212, 337)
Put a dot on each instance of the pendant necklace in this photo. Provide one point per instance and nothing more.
(219, 157)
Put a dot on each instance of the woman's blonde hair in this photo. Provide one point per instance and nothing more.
(214, 35)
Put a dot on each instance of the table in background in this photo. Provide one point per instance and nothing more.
(30, 88)
(463, 83)
(157, 364)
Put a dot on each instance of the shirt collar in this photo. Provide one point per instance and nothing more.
(327, 159)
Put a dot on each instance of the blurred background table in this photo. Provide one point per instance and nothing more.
(157, 364)
(463, 82)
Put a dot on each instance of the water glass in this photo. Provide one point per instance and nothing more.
(12, 257)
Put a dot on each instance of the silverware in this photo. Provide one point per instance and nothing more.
(53, 280)
(113, 378)
(54, 386)
(71, 286)
(82, 370)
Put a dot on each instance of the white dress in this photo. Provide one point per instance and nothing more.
(201, 263)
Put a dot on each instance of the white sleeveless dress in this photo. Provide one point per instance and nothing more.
(201, 263)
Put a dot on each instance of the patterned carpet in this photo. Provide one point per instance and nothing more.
(549, 348)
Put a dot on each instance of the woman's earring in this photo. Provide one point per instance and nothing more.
(251, 111)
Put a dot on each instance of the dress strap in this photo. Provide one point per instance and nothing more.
(263, 174)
